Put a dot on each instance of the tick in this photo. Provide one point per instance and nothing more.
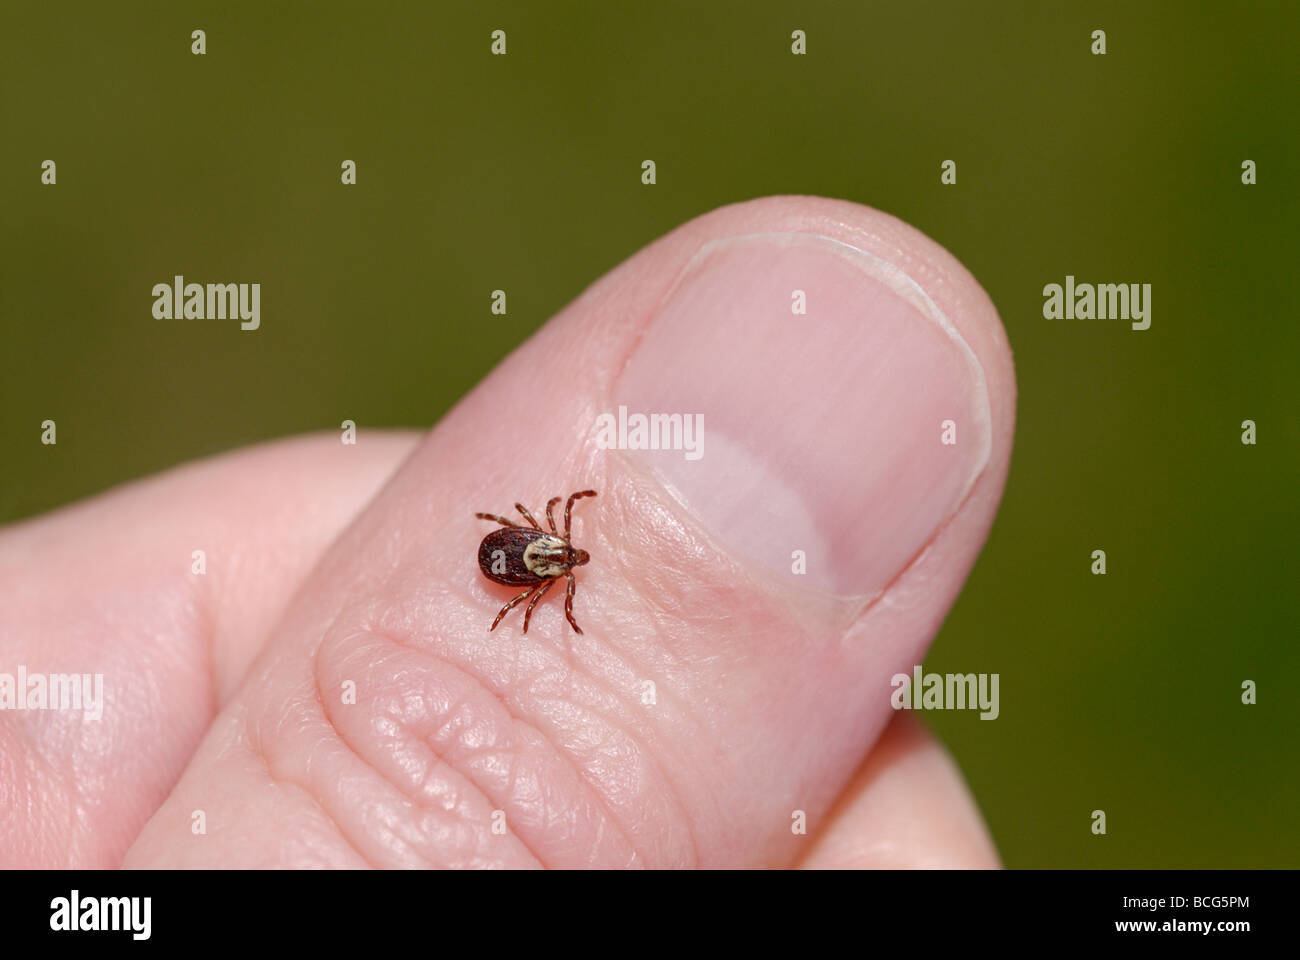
(528, 556)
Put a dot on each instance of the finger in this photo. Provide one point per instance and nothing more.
(907, 808)
(165, 587)
(743, 610)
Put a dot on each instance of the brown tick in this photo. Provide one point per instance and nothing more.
(528, 556)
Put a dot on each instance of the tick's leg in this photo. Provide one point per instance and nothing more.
(506, 608)
(528, 613)
(501, 520)
(528, 516)
(568, 509)
(550, 519)
(568, 604)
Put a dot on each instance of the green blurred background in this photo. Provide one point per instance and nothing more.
(522, 172)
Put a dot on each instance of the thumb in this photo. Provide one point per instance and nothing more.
(751, 590)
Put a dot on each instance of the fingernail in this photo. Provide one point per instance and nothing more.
(844, 419)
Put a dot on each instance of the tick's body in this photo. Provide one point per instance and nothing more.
(526, 556)
(519, 556)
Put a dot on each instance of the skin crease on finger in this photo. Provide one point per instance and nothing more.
(383, 725)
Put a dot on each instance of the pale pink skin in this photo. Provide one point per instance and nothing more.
(330, 563)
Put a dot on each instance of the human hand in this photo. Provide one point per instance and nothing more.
(715, 691)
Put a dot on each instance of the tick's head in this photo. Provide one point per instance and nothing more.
(580, 557)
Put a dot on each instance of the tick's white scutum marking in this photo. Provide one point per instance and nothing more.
(544, 557)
